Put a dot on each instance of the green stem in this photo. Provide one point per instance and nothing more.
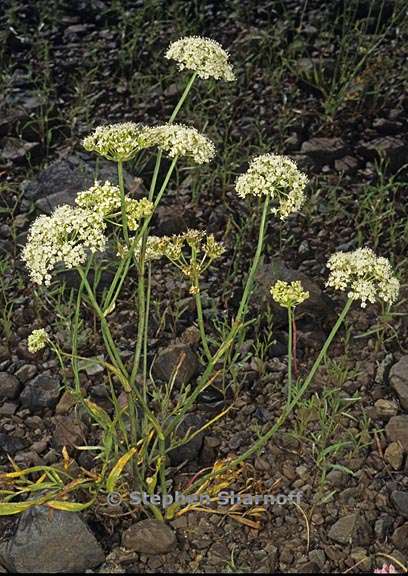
(262, 440)
(182, 98)
(255, 262)
(290, 352)
(201, 326)
(123, 201)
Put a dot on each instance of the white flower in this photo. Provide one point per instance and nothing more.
(66, 236)
(364, 275)
(289, 295)
(278, 177)
(37, 340)
(204, 56)
(118, 142)
(105, 199)
(179, 140)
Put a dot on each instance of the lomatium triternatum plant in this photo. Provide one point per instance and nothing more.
(138, 437)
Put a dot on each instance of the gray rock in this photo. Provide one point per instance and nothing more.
(16, 150)
(399, 380)
(400, 501)
(394, 455)
(149, 537)
(351, 529)
(324, 149)
(50, 541)
(385, 408)
(189, 451)
(391, 149)
(178, 357)
(400, 537)
(41, 392)
(397, 430)
(318, 305)
(62, 180)
(11, 444)
(26, 372)
(346, 165)
(383, 526)
(69, 431)
(9, 386)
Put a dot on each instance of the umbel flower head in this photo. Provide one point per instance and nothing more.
(278, 177)
(179, 140)
(364, 275)
(204, 56)
(105, 199)
(289, 295)
(66, 236)
(37, 340)
(118, 142)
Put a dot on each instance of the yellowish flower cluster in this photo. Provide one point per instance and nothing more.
(289, 295)
(204, 56)
(118, 142)
(278, 177)
(179, 140)
(152, 251)
(105, 199)
(364, 275)
(37, 340)
(66, 236)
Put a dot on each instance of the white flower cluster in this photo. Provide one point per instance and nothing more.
(118, 142)
(202, 55)
(65, 237)
(105, 199)
(179, 140)
(37, 340)
(277, 176)
(152, 252)
(366, 276)
(289, 295)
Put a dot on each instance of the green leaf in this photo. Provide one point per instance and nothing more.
(118, 468)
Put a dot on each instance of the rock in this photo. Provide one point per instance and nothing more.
(351, 529)
(66, 402)
(397, 430)
(324, 150)
(346, 165)
(337, 478)
(400, 537)
(394, 455)
(391, 149)
(9, 386)
(62, 180)
(399, 380)
(318, 305)
(189, 451)
(11, 444)
(8, 409)
(41, 392)
(16, 150)
(385, 408)
(171, 220)
(69, 431)
(318, 557)
(149, 537)
(400, 501)
(26, 372)
(50, 541)
(178, 357)
(383, 526)
(386, 127)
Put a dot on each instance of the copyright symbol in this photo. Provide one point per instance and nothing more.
(114, 498)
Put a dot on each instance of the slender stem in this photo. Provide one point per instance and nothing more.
(294, 345)
(146, 327)
(199, 307)
(237, 324)
(290, 352)
(182, 98)
(255, 263)
(123, 201)
(162, 448)
(141, 295)
(262, 440)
